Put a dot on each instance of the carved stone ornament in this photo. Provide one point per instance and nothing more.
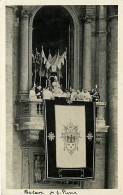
(29, 137)
(25, 14)
(88, 14)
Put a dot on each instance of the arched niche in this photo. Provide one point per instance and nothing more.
(76, 38)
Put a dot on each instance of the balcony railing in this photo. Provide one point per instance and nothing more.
(33, 112)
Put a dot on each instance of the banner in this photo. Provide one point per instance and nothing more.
(70, 136)
(69, 139)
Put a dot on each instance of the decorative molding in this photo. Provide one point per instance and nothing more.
(30, 125)
(102, 33)
(29, 137)
(102, 129)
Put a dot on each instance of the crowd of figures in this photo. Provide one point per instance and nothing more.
(55, 91)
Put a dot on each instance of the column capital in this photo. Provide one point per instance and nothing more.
(87, 14)
(86, 19)
(25, 14)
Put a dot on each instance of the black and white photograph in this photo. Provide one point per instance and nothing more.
(61, 97)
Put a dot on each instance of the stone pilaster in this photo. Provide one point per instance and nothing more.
(15, 51)
(87, 54)
(102, 52)
(113, 97)
(89, 14)
(24, 59)
(72, 57)
(81, 53)
(30, 56)
(93, 54)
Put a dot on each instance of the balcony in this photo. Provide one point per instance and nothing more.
(30, 118)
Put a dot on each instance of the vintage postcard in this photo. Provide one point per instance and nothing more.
(61, 97)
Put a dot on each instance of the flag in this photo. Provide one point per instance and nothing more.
(50, 61)
(37, 57)
(54, 65)
(61, 60)
(33, 58)
(65, 55)
(43, 55)
(54, 62)
(49, 56)
(48, 64)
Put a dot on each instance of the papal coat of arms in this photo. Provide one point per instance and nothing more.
(70, 137)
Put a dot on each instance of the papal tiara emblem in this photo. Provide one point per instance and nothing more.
(70, 137)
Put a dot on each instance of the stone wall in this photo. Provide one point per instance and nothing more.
(9, 96)
(13, 150)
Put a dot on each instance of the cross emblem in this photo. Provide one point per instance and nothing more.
(51, 136)
(89, 136)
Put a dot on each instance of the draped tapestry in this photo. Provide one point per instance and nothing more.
(70, 139)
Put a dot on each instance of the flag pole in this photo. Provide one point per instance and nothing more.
(66, 68)
(35, 74)
(35, 68)
(69, 59)
(41, 63)
(40, 70)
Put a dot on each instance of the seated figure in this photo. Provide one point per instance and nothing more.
(56, 86)
(73, 94)
(55, 83)
(87, 96)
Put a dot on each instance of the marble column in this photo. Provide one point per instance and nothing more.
(81, 56)
(93, 54)
(30, 56)
(113, 97)
(15, 52)
(23, 72)
(87, 54)
(72, 57)
(102, 52)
